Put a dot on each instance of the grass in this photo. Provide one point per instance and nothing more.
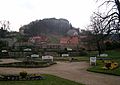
(49, 80)
(54, 38)
(77, 59)
(115, 55)
(98, 69)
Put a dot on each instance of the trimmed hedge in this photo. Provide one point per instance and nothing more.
(28, 64)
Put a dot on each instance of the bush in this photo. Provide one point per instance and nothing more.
(111, 65)
(108, 65)
(112, 45)
(33, 64)
(23, 74)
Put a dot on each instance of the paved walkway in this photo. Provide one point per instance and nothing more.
(8, 61)
(75, 71)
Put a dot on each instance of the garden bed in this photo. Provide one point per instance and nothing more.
(32, 64)
(75, 59)
(20, 78)
(99, 68)
(49, 80)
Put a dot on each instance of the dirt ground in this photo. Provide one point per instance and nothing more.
(75, 71)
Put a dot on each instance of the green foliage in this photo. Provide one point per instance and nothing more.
(47, 27)
(3, 44)
(3, 33)
(99, 68)
(54, 38)
(76, 59)
(83, 53)
(49, 80)
(29, 64)
(21, 38)
(108, 65)
(115, 55)
(112, 45)
(23, 74)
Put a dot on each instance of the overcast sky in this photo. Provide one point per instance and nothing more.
(21, 12)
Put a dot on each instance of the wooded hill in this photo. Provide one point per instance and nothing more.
(47, 26)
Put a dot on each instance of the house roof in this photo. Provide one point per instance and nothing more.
(69, 40)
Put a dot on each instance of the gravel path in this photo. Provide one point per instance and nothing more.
(8, 61)
(75, 71)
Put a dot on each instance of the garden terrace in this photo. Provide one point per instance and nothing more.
(32, 64)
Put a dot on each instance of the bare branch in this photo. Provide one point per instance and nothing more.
(110, 15)
(111, 9)
(106, 2)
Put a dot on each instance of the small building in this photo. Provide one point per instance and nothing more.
(47, 58)
(34, 56)
(38, 39)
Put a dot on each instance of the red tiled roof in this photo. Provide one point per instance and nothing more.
(64, 40)
(69, 40)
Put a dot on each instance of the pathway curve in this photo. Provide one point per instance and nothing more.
(75, 71)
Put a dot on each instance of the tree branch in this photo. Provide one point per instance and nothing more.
(106, 2)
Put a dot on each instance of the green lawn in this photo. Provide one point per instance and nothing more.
(49, 80)
(98, 69)
(115, 55)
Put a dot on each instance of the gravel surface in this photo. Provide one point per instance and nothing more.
(75, 71)
(8, 61)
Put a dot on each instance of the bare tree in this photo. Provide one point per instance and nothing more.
(4, 28)
(109, 22)
(99, 30)
(5, 25)
(112, 16)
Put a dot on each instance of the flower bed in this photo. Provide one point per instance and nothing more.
(48, 80)
(19, 77)
(106, 67)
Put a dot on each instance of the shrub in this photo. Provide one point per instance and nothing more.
(83, 53)
(111, 65)
(23, 74)
(108, 65)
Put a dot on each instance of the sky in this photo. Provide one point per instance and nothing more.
(22, 12)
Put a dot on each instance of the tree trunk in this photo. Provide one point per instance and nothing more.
(118, 7)
(99, 48)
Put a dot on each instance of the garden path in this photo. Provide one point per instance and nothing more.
(75, 71)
